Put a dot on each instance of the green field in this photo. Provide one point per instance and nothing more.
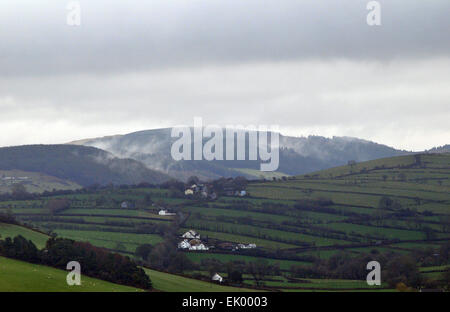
(292, 220)
(284, 264)
(17, 275)
(174, 283)
(317, 284)
(110, 239)
(11, 230)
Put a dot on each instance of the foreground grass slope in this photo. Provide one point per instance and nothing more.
(21, 276)
(174, 283)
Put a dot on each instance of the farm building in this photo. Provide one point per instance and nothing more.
(189, 192)
(197, 244)
(200, 246)
(194, 244)
(191, 234)
(184, 244)
(217, 278)
(164, 212)
(244, 246)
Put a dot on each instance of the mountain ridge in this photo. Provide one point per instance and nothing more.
(298, 155)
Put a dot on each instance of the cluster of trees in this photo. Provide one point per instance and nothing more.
(165, 256)
(19, 248)
(8, 217)
(397, 270)
(18, 192)
(219, 186)
(95, 262)
(57, 205)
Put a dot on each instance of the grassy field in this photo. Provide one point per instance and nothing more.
(26, 277)
(111, 239)
(174, 283)
(284, 264)
(308, 217)
(317, 284)
(262, 174)
(34, 182)
(11, 230)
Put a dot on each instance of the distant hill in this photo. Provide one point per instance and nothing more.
(80, 164)
(298, 155)
(35, 182)
(440, 149)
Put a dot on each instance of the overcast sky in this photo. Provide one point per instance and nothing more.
(309, 66)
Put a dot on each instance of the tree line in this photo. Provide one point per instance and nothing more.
(95, 262)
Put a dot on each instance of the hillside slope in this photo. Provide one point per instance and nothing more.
(35, 182)
(20, 276)
(298, 155)
(80, 164)
(13, 230)
(175, 283)
(392, 206)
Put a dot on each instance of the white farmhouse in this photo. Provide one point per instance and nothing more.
(191, 234)
(244, 246)
(217, 278)
(164, 212)
(200, 246)
(197, 244)
(184, 244)
(189, 192)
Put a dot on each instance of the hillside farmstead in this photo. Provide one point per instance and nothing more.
(184, 244)
(217, 278)
(194, 244)
(191, 234)
(164, 212)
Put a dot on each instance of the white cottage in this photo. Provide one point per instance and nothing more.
(184, 244)
(217, 278)
(191, 234)
(164, 212)
(200, 246)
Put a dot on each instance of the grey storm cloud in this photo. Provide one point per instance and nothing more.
(309, 66)
(137, 35)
